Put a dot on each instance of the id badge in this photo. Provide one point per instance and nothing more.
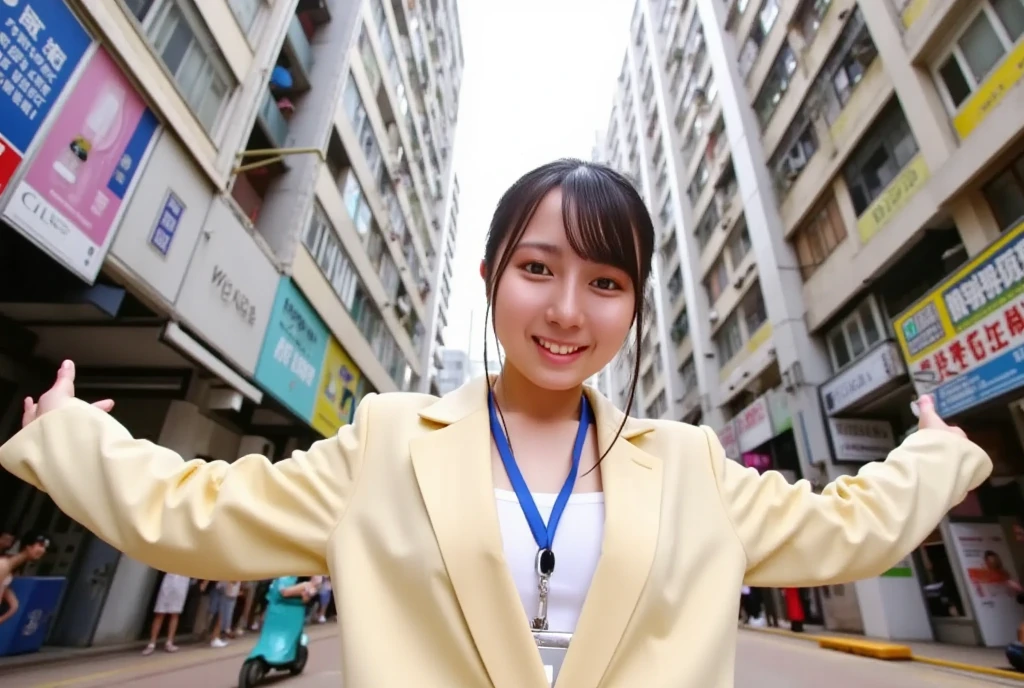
(553, 647)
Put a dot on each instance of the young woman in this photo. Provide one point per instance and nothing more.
(434, 515)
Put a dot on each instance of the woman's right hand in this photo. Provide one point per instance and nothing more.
(63, 389)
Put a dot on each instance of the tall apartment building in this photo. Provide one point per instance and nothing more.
(236, 216)
(837, 187)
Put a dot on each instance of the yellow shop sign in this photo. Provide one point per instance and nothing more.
(991, 93)
(893, 199)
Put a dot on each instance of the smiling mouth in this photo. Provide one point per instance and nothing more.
(558, 349)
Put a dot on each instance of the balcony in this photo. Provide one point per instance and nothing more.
(298, 55)
(272, 122)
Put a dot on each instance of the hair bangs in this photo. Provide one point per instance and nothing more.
(603, 224)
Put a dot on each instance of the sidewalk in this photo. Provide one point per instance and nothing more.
(962, 657)
(59, 655)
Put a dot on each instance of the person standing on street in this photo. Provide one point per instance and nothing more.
(169, 603)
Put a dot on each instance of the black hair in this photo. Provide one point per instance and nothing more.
(605, 221)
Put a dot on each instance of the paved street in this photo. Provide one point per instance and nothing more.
(764, 661)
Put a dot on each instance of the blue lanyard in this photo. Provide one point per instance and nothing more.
(544, 535)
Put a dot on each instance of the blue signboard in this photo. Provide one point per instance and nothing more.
(167, 221)
(41, 44)
(293, 351)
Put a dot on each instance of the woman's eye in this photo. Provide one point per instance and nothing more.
(606, 283)
(536, 268)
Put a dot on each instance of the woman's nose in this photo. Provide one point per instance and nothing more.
(566, 309)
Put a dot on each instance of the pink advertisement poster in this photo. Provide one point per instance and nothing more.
(78, 180)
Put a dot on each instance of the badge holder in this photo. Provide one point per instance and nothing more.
(552, 647)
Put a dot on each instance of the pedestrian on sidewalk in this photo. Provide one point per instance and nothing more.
(794, 609)
(224, 610)
(170, 600)
(429, 504)
(33, 548)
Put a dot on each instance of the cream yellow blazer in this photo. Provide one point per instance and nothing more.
(400, 507)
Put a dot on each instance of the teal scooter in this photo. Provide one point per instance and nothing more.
(283, 644)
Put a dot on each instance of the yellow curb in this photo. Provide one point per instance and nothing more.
(908, 656)
(972, 668)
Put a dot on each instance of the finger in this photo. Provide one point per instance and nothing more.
(104, 405)
(29, 413)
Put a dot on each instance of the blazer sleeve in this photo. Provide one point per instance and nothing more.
(247, 520)
(859, 526)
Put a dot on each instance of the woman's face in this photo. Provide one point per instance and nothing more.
(560, 318)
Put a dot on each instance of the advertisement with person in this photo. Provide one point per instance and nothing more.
(41, 46)
(293, 351)
(72, 194)
(964, 340)
(990, 575)
(339, 385)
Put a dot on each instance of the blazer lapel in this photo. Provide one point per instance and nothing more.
(632, 482)
(453, 469)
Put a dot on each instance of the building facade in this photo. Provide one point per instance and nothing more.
(236, 216)
(836, 186)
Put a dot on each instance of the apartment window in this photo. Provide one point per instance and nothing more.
(688, 376)
(855, 334)
(766, 17)
(369, 59)
(739, 244)
(717, 280)
(246, 12)
(658, 407)
(775, 86)
(796, 149)
(885, 150)
(670, 249)
(356, 203)
(983, 43)
(809, 18)
(700, 180)
(850, 60)
(176, 32)
(680, 327)
(729, 338)
(752, 305)
(818, 237)
(649, 379)
(675, 284)
(323, 243)
(1005, 195)
(705, 229)
(363, 127)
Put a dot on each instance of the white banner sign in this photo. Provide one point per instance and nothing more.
(861, 440)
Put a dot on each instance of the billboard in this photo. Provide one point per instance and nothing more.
(964, 340)
(71, 196)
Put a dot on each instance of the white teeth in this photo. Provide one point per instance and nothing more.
(560, 349)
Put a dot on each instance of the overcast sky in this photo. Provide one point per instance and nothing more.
(538, 85)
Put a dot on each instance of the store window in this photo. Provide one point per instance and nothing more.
(982, 44)
(729, 338)
(176, 32)
(717, 280)
(775, 86)
(1005, 195)
(818, 237)
(883, 152)
(855, 334)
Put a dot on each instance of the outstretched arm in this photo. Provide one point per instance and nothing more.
(209, 520)
(859, 526)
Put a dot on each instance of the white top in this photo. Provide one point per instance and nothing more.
(577, 548)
